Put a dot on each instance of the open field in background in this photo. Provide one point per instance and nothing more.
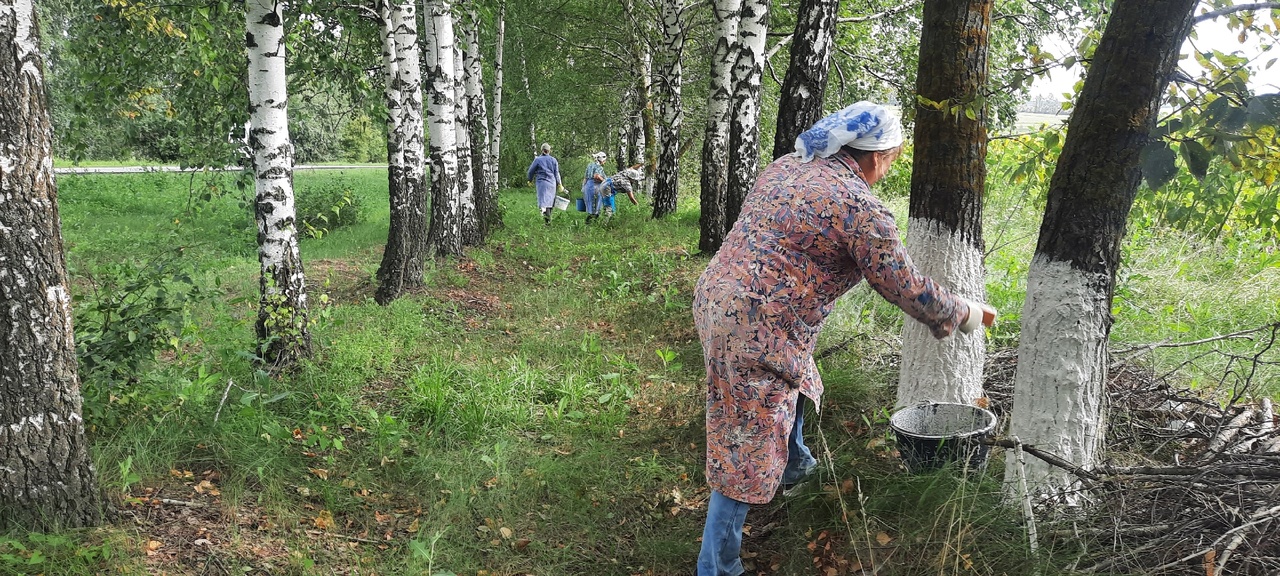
(536, 409)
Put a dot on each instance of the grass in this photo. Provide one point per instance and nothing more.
(536, 409)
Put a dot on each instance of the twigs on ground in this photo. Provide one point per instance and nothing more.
(1191, 482)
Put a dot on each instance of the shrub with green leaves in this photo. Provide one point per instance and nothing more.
(327, 207)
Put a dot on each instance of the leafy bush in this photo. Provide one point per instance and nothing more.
(131, 313)
(327, 207)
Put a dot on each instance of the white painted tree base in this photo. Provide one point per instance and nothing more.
(1058, 389)
(947, 370)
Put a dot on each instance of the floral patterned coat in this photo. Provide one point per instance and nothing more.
(808, 232)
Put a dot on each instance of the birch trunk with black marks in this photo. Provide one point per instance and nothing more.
(495, 148)
(444, 236)
(47, 480)
(528, 94)
(466, 180)
(482, 173)
(744, 124)
(666, 185)
(403, 259)
(1059, 395)
(283, 326)
(948, 179)
(714, 182)
(800, 103)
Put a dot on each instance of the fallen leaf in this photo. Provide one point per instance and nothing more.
(506, 532)
(152, 546)
(320, 472)
(522, 543)
(883, 538)
(324, 520)
(1209, 557)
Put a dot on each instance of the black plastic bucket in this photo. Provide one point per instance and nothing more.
(935, 434)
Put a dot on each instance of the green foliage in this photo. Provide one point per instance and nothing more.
(363, 140)
(328, 206)
(130, 314)
(36, 553)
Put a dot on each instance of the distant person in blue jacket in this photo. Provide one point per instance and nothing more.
(593, 178)
(544, 172)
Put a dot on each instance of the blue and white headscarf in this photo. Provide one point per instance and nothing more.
(863, 126)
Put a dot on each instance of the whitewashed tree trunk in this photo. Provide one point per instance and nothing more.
(744, 125)
(47, 480)
(670, 77)
(948, 180)
(444, 237)
(482, 173)
(403, 263)
(1059, 400)
(283, 326)
(495, 148)
(466, 179)
(715, 142)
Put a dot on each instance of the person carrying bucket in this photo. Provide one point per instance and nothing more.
(544, 172)
(809, 230)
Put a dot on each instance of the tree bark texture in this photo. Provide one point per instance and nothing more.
(482, 172)
(444, 236)
(744, 126)
(402, 265)
(1059, 398)
(466, 181)
(800, 104)
(667, 183)
(948, 179)
(47, 480)
(495, 148)
(714, 183)
(283, 326)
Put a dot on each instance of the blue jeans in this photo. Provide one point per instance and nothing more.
(722, 535)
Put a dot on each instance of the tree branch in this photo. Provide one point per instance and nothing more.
(1210, 15)
(890, 12)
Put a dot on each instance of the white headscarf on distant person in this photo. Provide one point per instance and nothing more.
(861, 126)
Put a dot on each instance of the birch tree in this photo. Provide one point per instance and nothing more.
(483, 175)
(283, 326)
(462, 150)
(444, 236)
(667, 183)
(714, 184)
(948, 177)
(744, 125)
(47, 480)
(402, 265)
(495, 148)
(800, 103)
(1059, 396)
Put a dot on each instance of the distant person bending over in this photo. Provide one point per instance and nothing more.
(809, 230)
(544, 172)
(624, 182)
(593, 179)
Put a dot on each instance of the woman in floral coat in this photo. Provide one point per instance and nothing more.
(809, 231)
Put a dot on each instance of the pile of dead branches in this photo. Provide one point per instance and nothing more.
(1191, 482)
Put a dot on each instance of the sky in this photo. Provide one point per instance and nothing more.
(1210, 35)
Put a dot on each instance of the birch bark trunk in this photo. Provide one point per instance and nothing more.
(402, 265)
(444, 236)
(283, 326)
(714, 182)
(667, 183)
(486, 188)
(744, 127)
(495, 148)
(47, 480)
(800, 103)
(466, 180)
